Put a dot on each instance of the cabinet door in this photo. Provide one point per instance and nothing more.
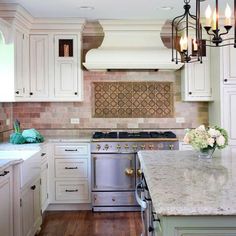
(197, 83)
(6, 216)
(66, 66)
(39, 69)
(229, 68)
(229, 113)
(27, 206)
(31, 208)
(19, 60)
(44, 186)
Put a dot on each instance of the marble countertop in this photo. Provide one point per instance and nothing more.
(71, 139)
(180, 183)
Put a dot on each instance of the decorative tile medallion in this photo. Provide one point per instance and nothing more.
(133, 99)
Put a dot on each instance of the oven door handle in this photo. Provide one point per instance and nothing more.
(141, 202)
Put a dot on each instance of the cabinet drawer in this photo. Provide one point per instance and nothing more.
(72, 150)
(113, 198)
(72, 190)
(71, 168)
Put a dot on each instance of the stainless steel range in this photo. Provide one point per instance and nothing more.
(115, 167)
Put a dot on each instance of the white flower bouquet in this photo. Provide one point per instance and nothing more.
(207, 139)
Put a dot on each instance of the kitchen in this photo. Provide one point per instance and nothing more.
(67, 81)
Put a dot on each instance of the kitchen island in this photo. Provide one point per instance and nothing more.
(192, 196)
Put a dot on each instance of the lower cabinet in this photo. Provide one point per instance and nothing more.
(6, 203)
(229, 112)
(31, 208)
(44, 179)
(70, 173)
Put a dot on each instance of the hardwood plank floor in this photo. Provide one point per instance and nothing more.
(88, 223)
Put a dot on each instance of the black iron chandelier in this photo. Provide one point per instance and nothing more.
(187, 42)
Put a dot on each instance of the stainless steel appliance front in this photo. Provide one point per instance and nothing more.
(113, 182)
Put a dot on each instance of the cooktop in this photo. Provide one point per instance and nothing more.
(133, 135)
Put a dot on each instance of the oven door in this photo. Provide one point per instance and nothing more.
(113, 172)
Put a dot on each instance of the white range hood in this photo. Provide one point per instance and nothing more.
(130, 45)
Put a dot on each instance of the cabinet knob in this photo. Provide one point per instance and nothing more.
(225, 80)
(76, 93)
(31, 93)
(33, 187)
(190, 93)
(17, 92)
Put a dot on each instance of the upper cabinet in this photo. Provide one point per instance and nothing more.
(68, 82)
(229, 68)
(42, 61)
(196, 81)
(39, 66)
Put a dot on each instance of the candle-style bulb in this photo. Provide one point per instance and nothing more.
(228, 14)
(214, 19)
(208, 13)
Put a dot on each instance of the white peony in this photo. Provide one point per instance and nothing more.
(220, 140)
(186, 139)
(214, 133)
(211, 142)
(201, 128)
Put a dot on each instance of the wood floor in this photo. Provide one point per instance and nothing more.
(87, 223)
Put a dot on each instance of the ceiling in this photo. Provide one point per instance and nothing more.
(109, 9)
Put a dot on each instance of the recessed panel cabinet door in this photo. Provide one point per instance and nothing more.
(66, 66)
(229, 68)
(6, 211)
(229, 113)
(39, 70)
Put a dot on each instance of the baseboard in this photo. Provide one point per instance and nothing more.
(69, 207)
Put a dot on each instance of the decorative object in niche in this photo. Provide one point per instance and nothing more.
(133, 99)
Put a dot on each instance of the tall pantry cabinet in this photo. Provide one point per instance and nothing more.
(223, 110)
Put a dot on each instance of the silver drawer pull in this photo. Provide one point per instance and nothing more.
(4, 173)
(71, 168)
(71, 190)
(71, 150)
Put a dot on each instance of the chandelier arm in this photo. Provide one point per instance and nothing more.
(211, 34)
(223, 45)
(224, 33)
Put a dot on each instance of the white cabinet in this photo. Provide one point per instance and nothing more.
(21, 82)
(229, 68)
(14, 68)
(71, 173)
(222, 110)
(6, 203)
(30, 208)
(27, 200)
(44, 179)
(196, 81)
(229, 112)
(67, 67)
(39, 66)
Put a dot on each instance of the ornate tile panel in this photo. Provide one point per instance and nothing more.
(133, 99)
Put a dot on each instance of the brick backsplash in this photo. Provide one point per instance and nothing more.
(57, 115)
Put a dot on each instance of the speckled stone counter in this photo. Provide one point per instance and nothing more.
(181, 184)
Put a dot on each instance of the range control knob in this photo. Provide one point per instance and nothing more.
(126, 146)
(106, 147)
(118, 147)
(134, 146)
(171, 146)
(98, 147)
(151, 146)
(142, 146)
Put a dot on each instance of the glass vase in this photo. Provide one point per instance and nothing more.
(206, 153)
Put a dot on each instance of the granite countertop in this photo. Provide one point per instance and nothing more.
(180, 183)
